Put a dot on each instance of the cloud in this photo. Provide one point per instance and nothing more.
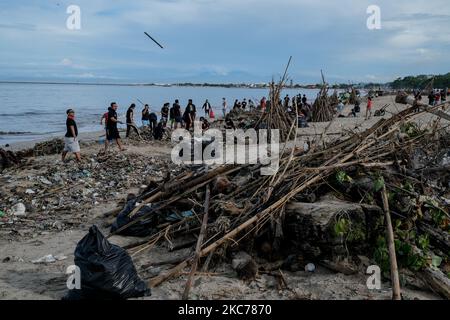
(66, 62)
(228, 40)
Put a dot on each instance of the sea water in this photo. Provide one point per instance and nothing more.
(35, 111)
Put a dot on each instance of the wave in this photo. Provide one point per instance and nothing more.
(26, 114)
(17, 133)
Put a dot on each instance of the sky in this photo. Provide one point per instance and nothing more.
(222, 41)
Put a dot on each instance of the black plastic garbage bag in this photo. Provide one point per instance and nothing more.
(143, 228)
(107, 271)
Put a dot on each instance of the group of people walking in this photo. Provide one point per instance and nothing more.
(436, 97)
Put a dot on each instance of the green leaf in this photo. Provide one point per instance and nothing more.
(341, 227)
(436, 261)
(342, 177)
(379, 184)
(423, 242)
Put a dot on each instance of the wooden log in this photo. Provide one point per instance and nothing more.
(440, 239)
(437, 280)
(156, 281)
(164, 262)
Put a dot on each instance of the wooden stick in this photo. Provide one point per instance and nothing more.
(199, 246)
(396, 294)
(156, 281)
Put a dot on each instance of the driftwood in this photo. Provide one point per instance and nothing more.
(340, 267)
(272, 195)
(255, 203)
(396, 294)
(198, 247)
(323, 106)
(277, 117)
(437, 280)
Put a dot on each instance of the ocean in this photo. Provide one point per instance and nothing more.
(35, 111)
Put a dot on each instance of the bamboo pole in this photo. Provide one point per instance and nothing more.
(396, 294)
(198, 247)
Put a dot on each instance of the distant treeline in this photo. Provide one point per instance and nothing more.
(420, 82)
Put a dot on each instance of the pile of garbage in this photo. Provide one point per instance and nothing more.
(107, 271)
(54, 146)
(72, 192)
(329, 204)
(9, 159)
(146, 133)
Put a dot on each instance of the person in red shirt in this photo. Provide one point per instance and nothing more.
(263, 104)
(369, 108)
(437, 98)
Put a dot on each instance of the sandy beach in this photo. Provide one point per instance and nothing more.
(64, 200)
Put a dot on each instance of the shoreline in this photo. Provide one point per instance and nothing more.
(84, 137)
(337, 127)
(183, 84)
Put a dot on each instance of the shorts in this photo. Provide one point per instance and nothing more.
(145, 122)
(71, 145)
(178, 119)
(112, 134)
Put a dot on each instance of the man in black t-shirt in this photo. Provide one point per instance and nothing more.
(130, 120)
(304, 99)
(244, 104)
(165, 113)
(189, 114)
(71, 138)
(111, 127)
(177, 113)
(207, 108)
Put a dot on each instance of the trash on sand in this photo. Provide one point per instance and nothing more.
(18, 209)
(49, 259)
(141, 229)
(310, 267)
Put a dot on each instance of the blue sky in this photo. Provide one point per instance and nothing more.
(222, 40)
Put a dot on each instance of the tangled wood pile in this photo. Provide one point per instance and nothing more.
(277, 117)
(353, 96)
(394, 167)
(334, 99)
(323, 109)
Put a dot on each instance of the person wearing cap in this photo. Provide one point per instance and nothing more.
(71, 138)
